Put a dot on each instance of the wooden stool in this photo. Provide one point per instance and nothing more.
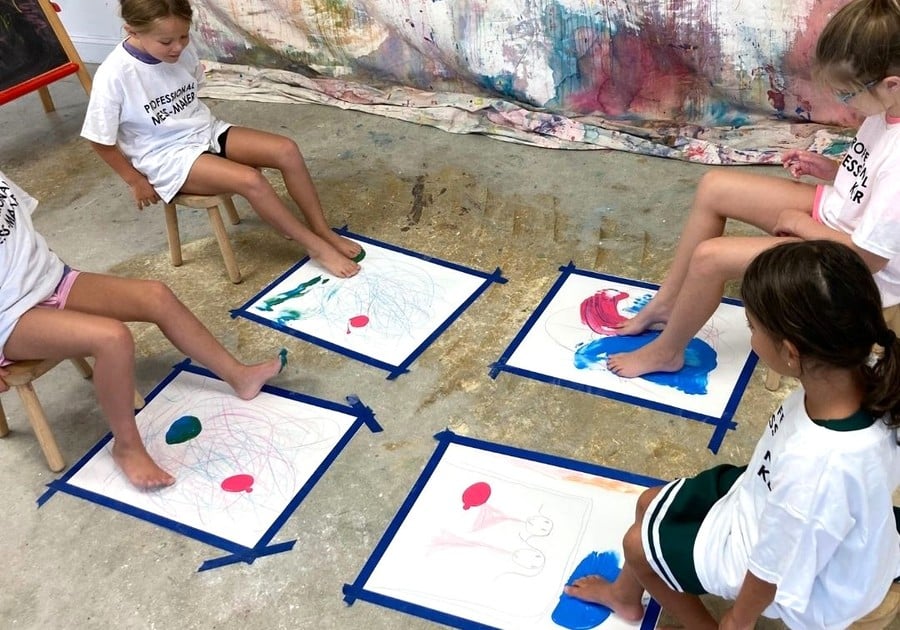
(882, 616)
(891, 317)
(211, 203)
(20, 376)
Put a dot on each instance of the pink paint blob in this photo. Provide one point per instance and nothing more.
(600, 311)
(475, 495)
(238, 483)
(357, 322)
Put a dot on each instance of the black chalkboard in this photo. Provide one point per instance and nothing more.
(29, 46)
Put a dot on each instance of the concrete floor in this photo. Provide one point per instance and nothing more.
(469, 199)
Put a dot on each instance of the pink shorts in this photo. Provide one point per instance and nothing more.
(57, 300)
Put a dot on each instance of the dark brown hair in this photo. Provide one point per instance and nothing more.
(860, 44)
(820, 296)
(141, 14)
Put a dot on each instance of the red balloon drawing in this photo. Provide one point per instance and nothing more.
(238, 483)
(475, 495)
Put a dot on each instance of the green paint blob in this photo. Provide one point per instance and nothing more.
(184, 429)
(360, 255)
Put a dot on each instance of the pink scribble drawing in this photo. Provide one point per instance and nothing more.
(600, 312)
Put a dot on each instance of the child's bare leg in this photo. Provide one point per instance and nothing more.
(261, 148)
(623, 596)
(129, 300)
(714, 262)
(211, 174)
(49, 333)
(721, 194)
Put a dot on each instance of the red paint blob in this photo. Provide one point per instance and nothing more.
(601, 312)
(238, 483)
(475, 495)
(357, 322)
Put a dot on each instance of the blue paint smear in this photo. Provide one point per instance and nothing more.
(282, 355)
(699, 360)
(269, 303)
(575, 614)
(184, 429)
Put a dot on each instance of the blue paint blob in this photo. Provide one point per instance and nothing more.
(699, 360)
(575, 614)
(282, 355)
(184, 429)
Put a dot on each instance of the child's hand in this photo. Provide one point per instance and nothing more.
(800, 163)
(144, 194)
(3, 386)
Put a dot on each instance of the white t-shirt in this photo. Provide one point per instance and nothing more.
(29, 271)
(865, 199)
(813, 515)
(153, 113)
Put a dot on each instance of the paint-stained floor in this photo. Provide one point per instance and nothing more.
(468, 199)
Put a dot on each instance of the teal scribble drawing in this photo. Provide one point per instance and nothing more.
(288, 315)
(275, 300)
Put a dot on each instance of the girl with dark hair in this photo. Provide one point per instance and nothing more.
(806, 531)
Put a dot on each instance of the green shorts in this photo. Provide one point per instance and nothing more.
(672, 520)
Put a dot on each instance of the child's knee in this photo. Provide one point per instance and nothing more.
(633, 547)
(709, 256)
(114, 336)
(711, 185)
(159, 296)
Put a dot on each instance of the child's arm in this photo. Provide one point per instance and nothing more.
(800, 223)
(800, 163)
(754, 597)
(144, 193)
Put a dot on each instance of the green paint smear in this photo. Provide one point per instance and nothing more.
(268, 304)
(360, 255)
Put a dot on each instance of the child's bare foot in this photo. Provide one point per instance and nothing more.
(345, 246)
(644, 360)
(334, 262)
(647, 317)
(139, 467)
(249, 381)
(596, 590)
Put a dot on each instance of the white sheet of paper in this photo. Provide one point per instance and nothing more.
(278, 443)
(503, 561)
(549, 347)
(385, 312)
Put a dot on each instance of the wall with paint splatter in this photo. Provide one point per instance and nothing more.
(709, 63)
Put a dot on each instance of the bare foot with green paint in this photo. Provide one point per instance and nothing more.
(251, 378)
(596, 590)
(346, 247)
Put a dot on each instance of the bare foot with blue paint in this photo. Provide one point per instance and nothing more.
(644, 360)
(651, 315)
(251, 378)
(139, 467)
(596, 590)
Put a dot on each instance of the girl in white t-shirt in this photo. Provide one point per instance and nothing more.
(858, 58)
(806, 532)
(50, 311)
(146, 121)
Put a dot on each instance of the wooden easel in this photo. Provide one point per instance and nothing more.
(40, 82)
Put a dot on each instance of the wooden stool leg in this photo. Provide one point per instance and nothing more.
(773, 379)
(4, 427)
(233, 215)
(46, 100)
(41, 428)
(174, 236)
(218, 226)
(84, 368)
